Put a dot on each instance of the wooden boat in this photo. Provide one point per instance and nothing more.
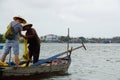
(57, 64)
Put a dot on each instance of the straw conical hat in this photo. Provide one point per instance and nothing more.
(27, 24)
(19, 17)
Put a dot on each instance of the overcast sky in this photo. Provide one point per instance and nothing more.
(88, 18)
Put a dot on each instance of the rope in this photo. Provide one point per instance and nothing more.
(25, 56)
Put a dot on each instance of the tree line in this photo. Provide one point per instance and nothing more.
(77, 40)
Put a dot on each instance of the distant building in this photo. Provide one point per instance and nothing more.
(116, 39)
(50, 38)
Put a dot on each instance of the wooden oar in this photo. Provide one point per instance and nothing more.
(84, 46)
(55, 56)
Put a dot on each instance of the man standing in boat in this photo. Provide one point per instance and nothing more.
(12, 42)
(33, 40)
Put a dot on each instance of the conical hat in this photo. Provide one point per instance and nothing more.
(18, 17)
(27, 24)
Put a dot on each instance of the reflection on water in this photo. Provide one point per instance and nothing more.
(98, 62)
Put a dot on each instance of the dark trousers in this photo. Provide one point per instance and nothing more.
(34, 52)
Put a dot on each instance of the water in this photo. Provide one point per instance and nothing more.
(98, 62)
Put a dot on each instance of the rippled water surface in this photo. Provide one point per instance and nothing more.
(98, 62)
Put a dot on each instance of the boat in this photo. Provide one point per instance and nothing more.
(57, 64)
(54, 65)
(1, 47)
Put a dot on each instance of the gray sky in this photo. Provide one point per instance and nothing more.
(88, 18)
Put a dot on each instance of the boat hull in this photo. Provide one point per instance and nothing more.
(41, 71)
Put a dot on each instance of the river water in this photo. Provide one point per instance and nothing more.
(98, 62)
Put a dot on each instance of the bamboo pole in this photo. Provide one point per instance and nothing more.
(68, 36)
(10, 55)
